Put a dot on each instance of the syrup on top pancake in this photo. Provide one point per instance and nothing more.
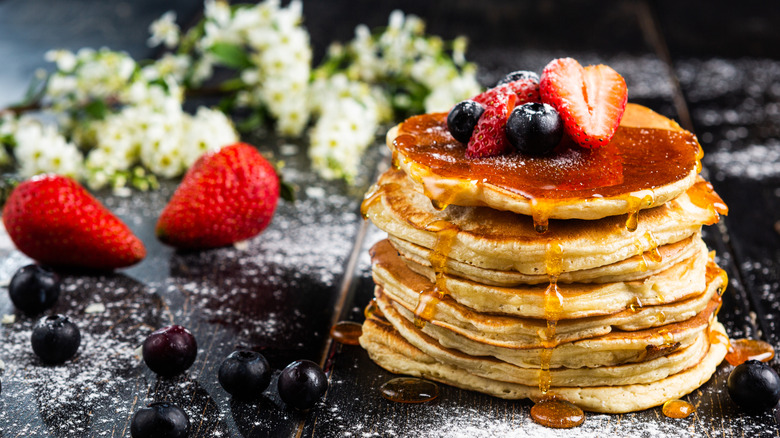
(649, 161)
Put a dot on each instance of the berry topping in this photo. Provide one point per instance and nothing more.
(160, 420)
(590, 100)
(534, 128)
(170, 350)
(518, 76)
(55, 339)
(245, 374)
(55, 221)
(488, 138)
(754, 386)
(302, 384)
(34, 289)
(226, 196)
(462, 119)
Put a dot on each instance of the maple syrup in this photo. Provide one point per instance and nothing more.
(703, 195)
(635, 306)
(677, 409)
(553, 308)
(428, 299)
(371, 197)
(346, 332)
(409, 390)
(372, 309)
(634, 205)
(556, 413)
(635, 159)
(743, 350)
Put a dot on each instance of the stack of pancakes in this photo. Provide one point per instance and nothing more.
(581, 275)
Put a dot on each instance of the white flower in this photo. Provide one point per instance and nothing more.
(209, 130)
(41, 149)
(165, 31)
(169, 65)
(65, 59)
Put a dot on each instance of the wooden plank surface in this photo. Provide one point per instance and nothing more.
(310, 268)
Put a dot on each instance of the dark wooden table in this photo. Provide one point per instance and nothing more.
(716, 71)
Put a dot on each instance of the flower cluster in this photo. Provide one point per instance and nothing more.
(378, 77)
(271, 50)
(39, 148)
(121, 121)
(126, 118)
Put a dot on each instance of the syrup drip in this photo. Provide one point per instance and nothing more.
(636, 305)
(677, 409)
(558, 414)
(634, 205)
(660, 316)
(346, 332)
(373, 310)
(371, 197)
(553, 307)
(426, 307)
(428, 299)
(668, 338)
(718, 337)
(743, 350)
(703, 195)
(713, 272)
(409, 390)
(540, 212)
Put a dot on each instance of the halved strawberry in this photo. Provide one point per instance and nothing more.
(489, 136)
(590, 100)
(527, 90)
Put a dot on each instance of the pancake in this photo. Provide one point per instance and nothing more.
(649, 161)
(393, 353)
(501, 240)
(633, 268)
(615, 348)
(656, 367)
(684, 280)
(516, 332)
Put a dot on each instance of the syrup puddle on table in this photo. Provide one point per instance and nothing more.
(409, 390)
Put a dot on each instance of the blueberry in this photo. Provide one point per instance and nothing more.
(518, 75)
(462, 119)
(160, 420)
(754, 386)
(34, 289)
(244, 374)
(170, 350)
(55, 339)
(302, 384)
(534, 128)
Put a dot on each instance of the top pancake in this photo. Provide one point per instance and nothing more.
(650, 160)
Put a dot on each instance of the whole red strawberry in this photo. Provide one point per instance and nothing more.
(590, 100)
(55, 221)
(226, 196)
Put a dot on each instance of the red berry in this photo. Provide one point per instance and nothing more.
(489, 137)
(227, 196)
(590, 100)
(55, 221)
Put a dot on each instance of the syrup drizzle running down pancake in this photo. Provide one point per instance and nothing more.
(649, 161)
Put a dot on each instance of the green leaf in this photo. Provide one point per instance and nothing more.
(286, 190)
(96, 109)
(7, 185)
(231, 55)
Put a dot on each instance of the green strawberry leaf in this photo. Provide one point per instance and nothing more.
(231, 55)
